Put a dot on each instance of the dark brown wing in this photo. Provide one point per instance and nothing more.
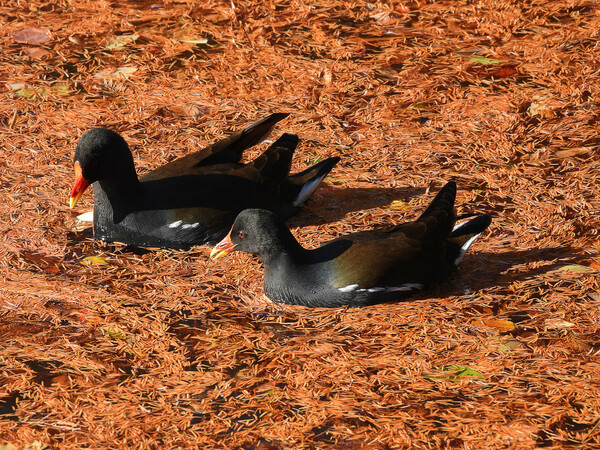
(226, 152)
(408, 253)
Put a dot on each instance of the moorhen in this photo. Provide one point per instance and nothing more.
(357, 269)
(194, 199)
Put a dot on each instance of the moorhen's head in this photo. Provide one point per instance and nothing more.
(256, 231)
(100, 154)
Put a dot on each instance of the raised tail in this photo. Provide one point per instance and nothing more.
(444, 200)
(276, 161)
(298, 188)
(463, 235)
(230, 149)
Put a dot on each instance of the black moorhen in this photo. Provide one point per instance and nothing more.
(357, 269)
(194, 199)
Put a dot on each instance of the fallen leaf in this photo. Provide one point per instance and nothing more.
(16, 86)
(503, 72)
(572, 152)
(35, 52)
(121, 41)
(87, 216)
(496, 323)
(125, 71)
(49, 264)
(115, 334)
(31, 35)
(509, 346)
(334, 180)
(553, 324)
(483, 60)
(94, 261)
(34, 93)
(191, 110)
(194, 40)
(420, 106)
(577, 268)
(60, 89)
(398, 205)
(27, 93)
(454, 372)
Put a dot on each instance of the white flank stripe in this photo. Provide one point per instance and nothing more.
(403, 288)
(406, 287)
(175, 224)
(348, 288)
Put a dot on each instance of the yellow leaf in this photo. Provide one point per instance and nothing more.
(94, 261)
(509, 346)
(577, 268)
(398, 205)
(558, 323)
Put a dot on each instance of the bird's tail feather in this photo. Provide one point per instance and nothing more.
(298, 188)
(444, 200)
(464, 234)
(231, 148)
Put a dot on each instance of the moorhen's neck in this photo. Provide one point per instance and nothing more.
(282, 247)
(120, 194)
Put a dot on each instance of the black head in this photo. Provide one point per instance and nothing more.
(103, 154)
(257, 231)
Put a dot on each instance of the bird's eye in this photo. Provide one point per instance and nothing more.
(242, 235)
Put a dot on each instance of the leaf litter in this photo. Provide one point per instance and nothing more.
(167, 349)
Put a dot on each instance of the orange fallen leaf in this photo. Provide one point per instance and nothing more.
(503, 72)
(31, 35)
(572, 152)
(501, 324)
(35, 52)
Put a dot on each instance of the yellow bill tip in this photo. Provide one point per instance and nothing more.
(217, 253)
(223, 248)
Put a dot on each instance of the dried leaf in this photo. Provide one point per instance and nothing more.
(193, 40)
(398, 205)
(501, 324)
(454, 373)
(125, 71)
(94, 261)
(31, 35)
(576, 268)
(552, 324)
(118, 42)
(483, 60)
(35, 52)
(509, 345)
(569, 153)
